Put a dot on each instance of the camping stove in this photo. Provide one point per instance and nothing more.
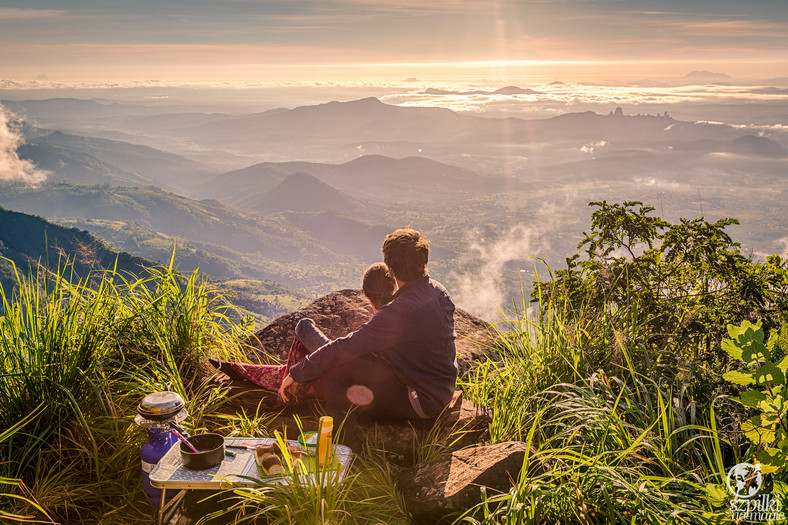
(158, 413)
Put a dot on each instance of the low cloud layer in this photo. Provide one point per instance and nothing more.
(482, 290)
(12, 168)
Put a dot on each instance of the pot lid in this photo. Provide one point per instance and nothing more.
(161, 403)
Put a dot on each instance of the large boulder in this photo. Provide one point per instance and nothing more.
(451, 484)
(462, 424)
(340, 313)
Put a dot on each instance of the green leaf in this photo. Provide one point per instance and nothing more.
(718, 518)
(756, 431)
(780, 489)
(750, 398)
(740, 378)
(783, 364)
(755, 351)
(771, 460)
(732, 348)
(717, 495)
(774, 406)
(769, 373)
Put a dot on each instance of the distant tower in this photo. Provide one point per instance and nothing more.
(619, 112)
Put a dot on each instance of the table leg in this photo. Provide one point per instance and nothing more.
(161, 506)
(166, 510)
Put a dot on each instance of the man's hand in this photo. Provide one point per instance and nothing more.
(288, 381)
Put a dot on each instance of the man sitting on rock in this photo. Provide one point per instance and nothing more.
(401, 364)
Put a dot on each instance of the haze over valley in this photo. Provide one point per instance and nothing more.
(303, 195)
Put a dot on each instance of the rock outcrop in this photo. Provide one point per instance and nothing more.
(463, 424)
(451, 484)
(339, 313)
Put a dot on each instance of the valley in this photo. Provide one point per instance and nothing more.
(303, 197)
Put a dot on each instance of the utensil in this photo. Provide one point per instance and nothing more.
(184, 440)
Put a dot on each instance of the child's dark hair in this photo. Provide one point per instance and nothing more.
(378, 284)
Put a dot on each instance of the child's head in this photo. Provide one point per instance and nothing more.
(378, 285)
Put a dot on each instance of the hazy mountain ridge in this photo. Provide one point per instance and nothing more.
(375, 177)
(68, 165)
(162, 211)
(162, 168)
(208, 233)
(299, 192)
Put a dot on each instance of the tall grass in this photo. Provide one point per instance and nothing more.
(76, 356)
(607, 444)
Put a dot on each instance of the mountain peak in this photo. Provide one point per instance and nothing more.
(303, 192)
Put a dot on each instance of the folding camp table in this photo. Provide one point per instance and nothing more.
(170, 474)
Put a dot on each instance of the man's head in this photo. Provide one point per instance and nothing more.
(406, 253)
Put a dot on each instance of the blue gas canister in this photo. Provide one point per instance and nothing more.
(157, 413)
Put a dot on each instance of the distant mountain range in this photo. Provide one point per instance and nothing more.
(364, 168)
(508, 90)
(374, 177)
(336, 132)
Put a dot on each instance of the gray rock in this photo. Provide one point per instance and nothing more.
(462, 425)
(451, 484)
(340, 313)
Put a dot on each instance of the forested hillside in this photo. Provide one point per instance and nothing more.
(27, 240)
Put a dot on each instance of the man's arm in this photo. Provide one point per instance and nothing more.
(379, 333)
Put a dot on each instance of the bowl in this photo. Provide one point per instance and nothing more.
(210, 453)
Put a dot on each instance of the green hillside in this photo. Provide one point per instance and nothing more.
(221, 241)
(26, 240)
(159, 167)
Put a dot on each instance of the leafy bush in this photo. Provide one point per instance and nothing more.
(765, 367)
(666, 291)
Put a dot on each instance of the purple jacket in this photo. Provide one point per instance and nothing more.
(414, 333)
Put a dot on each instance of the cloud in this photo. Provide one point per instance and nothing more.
(12, 168)
(494, 265)
(481, 289)
(13, 13)
(592, 147)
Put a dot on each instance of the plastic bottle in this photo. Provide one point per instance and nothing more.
(325, 430)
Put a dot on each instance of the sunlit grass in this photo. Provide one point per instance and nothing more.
(605, 443)
(76, 356)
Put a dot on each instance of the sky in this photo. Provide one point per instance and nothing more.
(358, 40)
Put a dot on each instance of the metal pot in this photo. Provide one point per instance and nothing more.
(161, 406)
(211, 451)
